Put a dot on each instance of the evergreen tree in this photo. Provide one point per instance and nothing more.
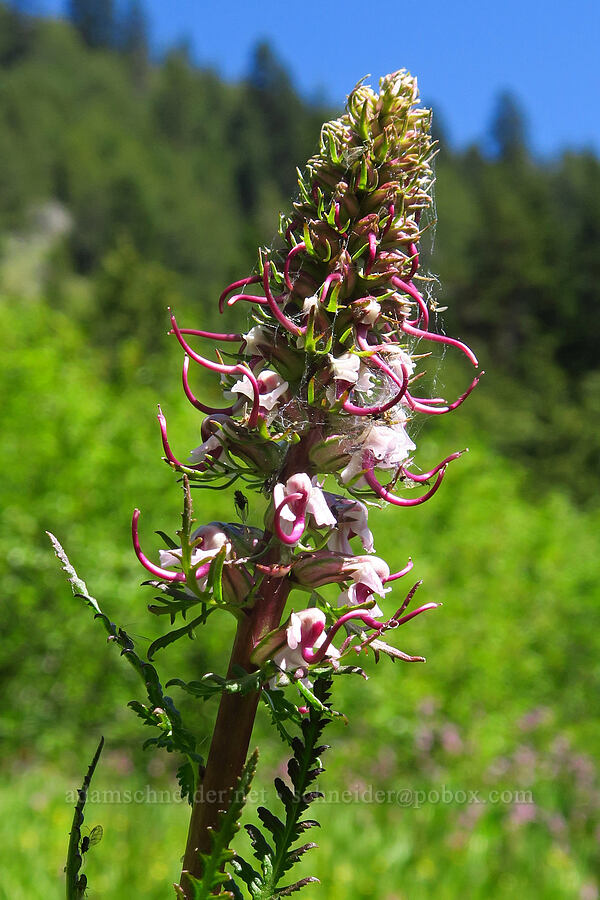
(94, 20)
(134, 40)
(508, 130)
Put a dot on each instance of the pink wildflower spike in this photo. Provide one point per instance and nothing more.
(299, 524)
(223, 369)
(252, 279)
(286, 269)
(228, 410)
(213, 335)
(381, 491)
(273, 306)
(408, 288)
(425, 405)
(425, 476)
(351, 408)
(407, 328)
(395, 575)
(200, 467)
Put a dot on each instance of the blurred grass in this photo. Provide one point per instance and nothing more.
(506, 700)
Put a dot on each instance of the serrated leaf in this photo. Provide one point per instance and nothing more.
(303, 768)
(270, 821)
(75, 886)
(292, 888)
(166, 639)
(259, 843)
(161, 712)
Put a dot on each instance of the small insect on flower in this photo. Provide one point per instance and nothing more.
(241, 505)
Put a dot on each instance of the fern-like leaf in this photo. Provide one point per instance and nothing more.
(161, 712)
(277, 854)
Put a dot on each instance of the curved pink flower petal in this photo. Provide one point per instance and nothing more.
(426, 405)
(288, 260)
(381, 491)
(425, 476)
(200, 467)
(300, 518)
(228, 410)
(252, 279)
(163, 574)
(408, 288)
(351, 408)
(407, 328)
(275, 309)
(223, 369)
(395, 575)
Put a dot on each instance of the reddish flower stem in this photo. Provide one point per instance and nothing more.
(235, 718)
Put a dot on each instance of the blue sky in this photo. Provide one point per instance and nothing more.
(463, 52)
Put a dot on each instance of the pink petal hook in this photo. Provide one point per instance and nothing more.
(252, 279)
(426, 405)
(407, 328)
(228, 410)
(240, 368)
(381, 491)
(286, 269)
(273, 306)
(408, 288)
(299, 524)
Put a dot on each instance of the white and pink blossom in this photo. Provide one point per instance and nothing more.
(199, 454)
(306, 498)
(389, 446)
(352, 521)
(304, 632)
(271, 388)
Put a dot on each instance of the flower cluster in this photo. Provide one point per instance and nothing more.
(321, 385)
